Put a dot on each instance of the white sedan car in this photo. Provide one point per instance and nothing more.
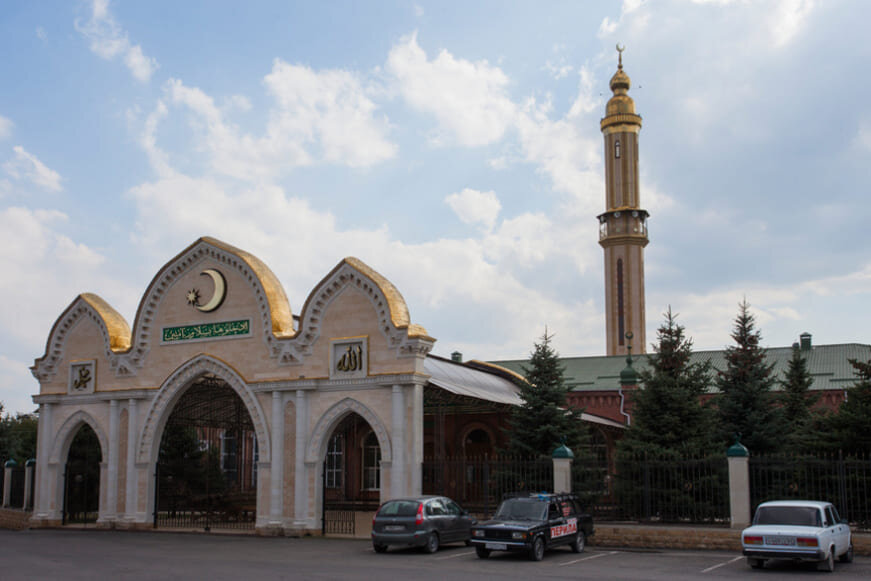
(797, 529)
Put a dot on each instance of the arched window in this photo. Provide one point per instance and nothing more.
(335, 460)
(371, 463)
(617, 149)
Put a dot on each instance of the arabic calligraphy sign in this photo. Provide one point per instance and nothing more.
(206, 331)
(349, 358)
(82, 377)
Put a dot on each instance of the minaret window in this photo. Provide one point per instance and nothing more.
(621, 325)
(617, 149)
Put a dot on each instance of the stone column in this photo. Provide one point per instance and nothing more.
(130, 491)
(276, 474)
(300, 480)
(112, 468)
(398, 445)
(42, 502)
(739, 485)
(416, 444)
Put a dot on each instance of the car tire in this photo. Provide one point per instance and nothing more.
(848, 556)
(432, 543)
(579, 542)
(379, 548)
(828, 564)
(468, 542)
(756, 563)
(482, 552)
(536, 553)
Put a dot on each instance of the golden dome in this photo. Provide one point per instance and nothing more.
(621, 103)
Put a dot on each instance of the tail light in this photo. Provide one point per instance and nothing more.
(418, 520)
(806, 541)
(748, 540)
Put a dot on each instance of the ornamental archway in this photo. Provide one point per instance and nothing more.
(81, 503)
(206, 474)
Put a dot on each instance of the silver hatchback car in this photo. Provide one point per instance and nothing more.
(424, 521)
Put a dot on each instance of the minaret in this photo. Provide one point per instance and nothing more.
(623, 226)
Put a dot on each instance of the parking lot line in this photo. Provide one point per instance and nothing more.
(709, 569)
(454, 556)
(596, 556)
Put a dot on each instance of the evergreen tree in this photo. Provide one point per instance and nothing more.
(543, 421)
(797, 401)
(848, 429)
(745, 405)
(667, 414)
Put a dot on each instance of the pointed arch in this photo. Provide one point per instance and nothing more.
(68, 431)
(333, 416)
(172, 389)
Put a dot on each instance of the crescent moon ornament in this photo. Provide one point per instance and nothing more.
(220, 291)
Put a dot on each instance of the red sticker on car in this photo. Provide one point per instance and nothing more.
(570, 528)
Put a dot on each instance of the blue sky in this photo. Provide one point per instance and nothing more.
(452, 146)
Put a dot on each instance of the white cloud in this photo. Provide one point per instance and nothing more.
(863, 135)
(40, 33)
(788, 20)
(109, 40)
(26, 166)
(469, 99)
(5, 127)
(474, 207)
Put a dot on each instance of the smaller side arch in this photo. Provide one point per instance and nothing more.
(328, 422)
(68, 431)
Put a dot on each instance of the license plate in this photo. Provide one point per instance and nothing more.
(782, 541)
(392, 528)
(496, 546)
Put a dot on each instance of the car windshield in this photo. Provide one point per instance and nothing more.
(399, 508)
(803, 516)
(522, 509)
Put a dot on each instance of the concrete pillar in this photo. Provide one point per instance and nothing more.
(276, 474)
(29, 468)
(7, 481)
(42, 502)
(739, 485)
(416, 444)
(562, 469)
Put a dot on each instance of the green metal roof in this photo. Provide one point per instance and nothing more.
(828, 364)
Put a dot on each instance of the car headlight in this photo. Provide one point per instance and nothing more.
(478, 533)
(518, 535)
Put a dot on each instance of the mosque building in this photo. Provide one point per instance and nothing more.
(221, 400)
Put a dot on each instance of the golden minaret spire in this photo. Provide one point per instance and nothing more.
(623, 225)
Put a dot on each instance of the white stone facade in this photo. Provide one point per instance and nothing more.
(353, 350)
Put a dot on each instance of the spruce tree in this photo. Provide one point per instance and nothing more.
(848, 429)
(745, 405)
(543, 421)
(796, 403)
(668, 415)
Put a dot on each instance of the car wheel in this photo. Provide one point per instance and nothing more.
(829, 564)
(432, 543)
(579, 543)
(848, 556)
(756, 563)
(482, 552)
(379, 548)
(468, 542)
(536, 553)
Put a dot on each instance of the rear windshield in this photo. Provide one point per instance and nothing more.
(399, 508)
(803, 516)
(522, 509)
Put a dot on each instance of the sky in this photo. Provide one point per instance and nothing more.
(454, 147)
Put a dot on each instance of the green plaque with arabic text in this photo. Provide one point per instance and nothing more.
(207, 331)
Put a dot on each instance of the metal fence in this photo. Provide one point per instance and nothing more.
(666, 489)
(479, 484)
(845, 481)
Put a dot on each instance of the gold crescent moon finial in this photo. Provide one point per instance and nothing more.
(620, 50)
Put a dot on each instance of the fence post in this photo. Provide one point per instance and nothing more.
(29, 468)
(562, 469)
(739, 485)
(7, 481)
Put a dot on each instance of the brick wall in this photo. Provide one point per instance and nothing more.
(13, 519)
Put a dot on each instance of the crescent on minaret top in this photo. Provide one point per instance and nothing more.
(220, 291)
